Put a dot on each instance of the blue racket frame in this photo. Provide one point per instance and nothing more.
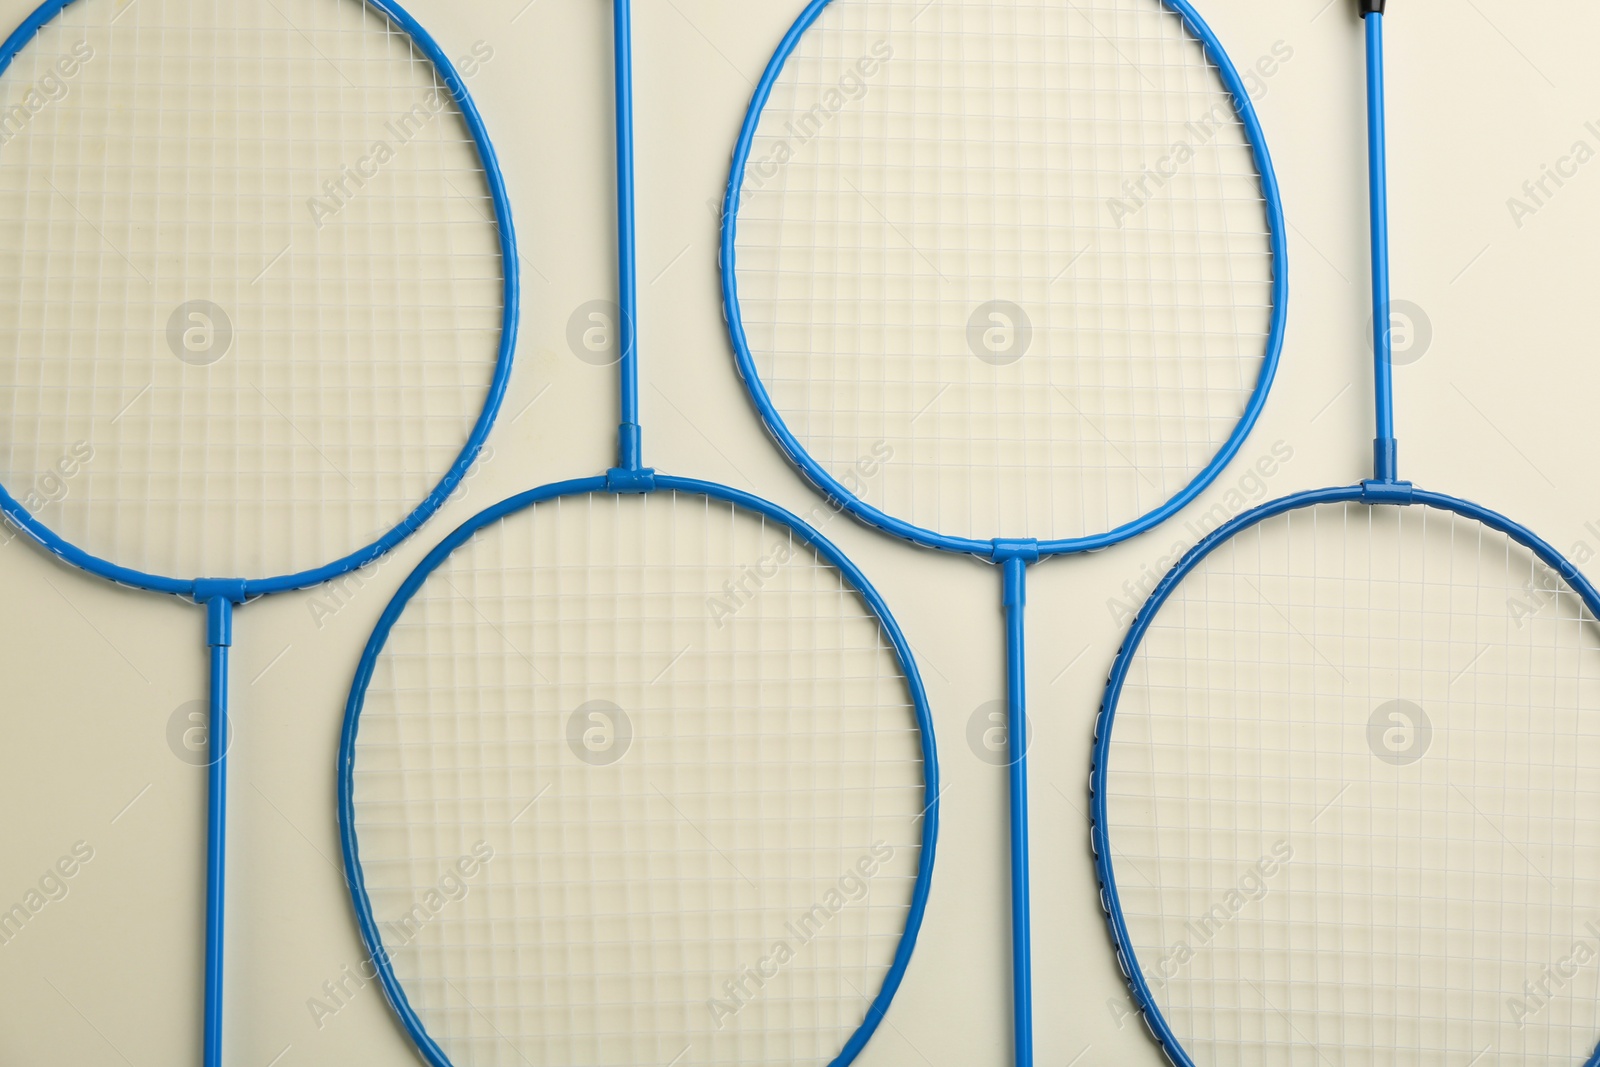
(631, 477)
(1370, 493)
(832, 487)
(221, 596)
(245, 589)
(1385, 489)
(631, 482)
(1013, 555)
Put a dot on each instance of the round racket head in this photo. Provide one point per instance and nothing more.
(1028, 257)
(638, 779)
(1345, 792)
(260, 288)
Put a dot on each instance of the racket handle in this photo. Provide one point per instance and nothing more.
(1016, 599)
(219, 636)
(1371, 7)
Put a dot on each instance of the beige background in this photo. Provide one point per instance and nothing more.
(1497, 410)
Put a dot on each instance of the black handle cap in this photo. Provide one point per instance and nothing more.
(1371, 7)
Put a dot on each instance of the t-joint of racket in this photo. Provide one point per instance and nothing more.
(1381, 492)
(1007, 549)
(624, 480)
(233, 590)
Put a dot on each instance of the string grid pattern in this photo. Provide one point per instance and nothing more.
(692, 754)
(250, 281)
(1021, 246)
(1352, 798)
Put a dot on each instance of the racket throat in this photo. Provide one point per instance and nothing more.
(630, 447)
(1385, 462)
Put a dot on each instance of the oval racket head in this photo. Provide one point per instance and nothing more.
(261, 284)
(638, 779)
(1032, 253)
(1345, 793)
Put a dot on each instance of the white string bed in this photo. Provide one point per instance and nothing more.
(681, 761)
(250, 285)
(1352, 799)
(1018, 249)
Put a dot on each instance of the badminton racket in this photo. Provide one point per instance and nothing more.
(261, 290)
(638, 769)
(1030, 259)
(1344, 773)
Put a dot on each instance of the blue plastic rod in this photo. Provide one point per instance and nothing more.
(219, 635)
(629, 447)
(1016, 600)
(1385, 450)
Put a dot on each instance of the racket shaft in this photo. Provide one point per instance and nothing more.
(1385, 459)
(629, 447)
(220, 637)
(1017, 738)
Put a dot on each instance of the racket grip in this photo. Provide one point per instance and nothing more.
(1371, 7)
(219, 636)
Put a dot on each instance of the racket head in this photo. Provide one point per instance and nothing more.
(471, 245)
(907, 793)
(995, 419)
(1183, 959)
